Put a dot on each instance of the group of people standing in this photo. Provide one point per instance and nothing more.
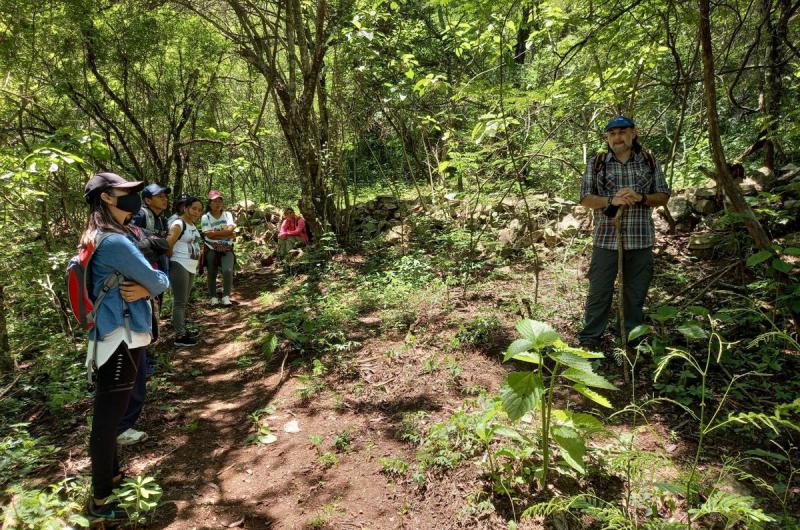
(132, 237)
(153, 253)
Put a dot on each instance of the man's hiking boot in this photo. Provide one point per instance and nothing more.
(214, 301)
(109, 512)
(226, 300)
(131, 437)
(185, 340)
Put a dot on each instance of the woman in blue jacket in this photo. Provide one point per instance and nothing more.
(122, 325)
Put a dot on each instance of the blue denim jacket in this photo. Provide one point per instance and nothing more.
(118, 253)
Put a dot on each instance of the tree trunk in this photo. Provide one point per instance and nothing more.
(732, 190)
(6, 361)
(773, 86)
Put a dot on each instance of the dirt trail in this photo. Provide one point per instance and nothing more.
(212, 478)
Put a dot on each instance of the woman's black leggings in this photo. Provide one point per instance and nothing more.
(115, 380)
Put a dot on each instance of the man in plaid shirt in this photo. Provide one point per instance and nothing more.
(629, 178)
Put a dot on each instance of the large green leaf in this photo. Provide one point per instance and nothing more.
(591, 394)
(529, 357)
(571, 360)
(572, 446)
(521, 392)
(587, 423)
(664, 313)
(758, 257)
(781, 266)
(588, 378)
(692, 331)
(586, 354)
(517, 347)
(639, 331)
(539, 333)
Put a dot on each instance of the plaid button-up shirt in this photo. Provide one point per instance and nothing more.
(637, 221)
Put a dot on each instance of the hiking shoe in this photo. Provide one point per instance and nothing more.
(131, 437)
(214, 300)
(109, 512)
(226, 300)
(192, 333)
(185, 340)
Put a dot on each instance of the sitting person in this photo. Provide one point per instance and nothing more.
(292, 233)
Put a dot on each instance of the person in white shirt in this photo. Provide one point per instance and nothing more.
(218, 231)
(184, 244)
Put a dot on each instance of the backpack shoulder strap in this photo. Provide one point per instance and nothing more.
(649, 158)
(149, 218)
(599, 161)
(183, 228)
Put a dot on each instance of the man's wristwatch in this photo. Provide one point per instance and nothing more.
(610, 198)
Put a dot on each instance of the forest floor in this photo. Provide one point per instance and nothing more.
(242, 440)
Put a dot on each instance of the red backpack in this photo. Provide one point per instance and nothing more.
(83, 306)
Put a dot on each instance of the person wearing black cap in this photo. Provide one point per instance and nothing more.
(123, 325)
(628, 177)
(151, 216)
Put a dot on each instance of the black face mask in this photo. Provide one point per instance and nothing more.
(130, 203)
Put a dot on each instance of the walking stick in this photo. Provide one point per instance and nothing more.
(623, 335)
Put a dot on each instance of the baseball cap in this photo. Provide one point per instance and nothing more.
(151, 190)
(101, 182)
(619, 122)
(214, 194)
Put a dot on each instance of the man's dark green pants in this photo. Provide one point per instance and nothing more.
(637, 273)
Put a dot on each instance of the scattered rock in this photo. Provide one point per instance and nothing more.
(705, 206)
(568, 226)
(703, 244)
(550, 237)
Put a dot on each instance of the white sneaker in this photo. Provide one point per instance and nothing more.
(131, 437)
(226, 300)
(214, 300)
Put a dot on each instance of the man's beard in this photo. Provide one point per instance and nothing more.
(622, 148)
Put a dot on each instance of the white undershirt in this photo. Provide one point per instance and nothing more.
(110, 343)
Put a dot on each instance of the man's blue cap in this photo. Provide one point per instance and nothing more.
(151, 190)
(619, 122)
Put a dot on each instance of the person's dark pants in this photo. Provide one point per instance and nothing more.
(637, 273)
(115, 382)
(136, 401)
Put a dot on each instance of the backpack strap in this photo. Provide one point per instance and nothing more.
(112, 281)
(651, 160)
(149, 219)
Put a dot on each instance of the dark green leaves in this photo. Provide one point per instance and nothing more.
(521, 393)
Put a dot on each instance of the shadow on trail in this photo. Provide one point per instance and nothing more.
(206, 438)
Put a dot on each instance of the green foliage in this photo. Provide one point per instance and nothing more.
(314, 382)
(526, 391)
(342, 441)
(42, 510)
(480, 331)
(394, 467)
(21, 454)
(139, 497)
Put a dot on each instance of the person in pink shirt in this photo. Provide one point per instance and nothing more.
(292, 233)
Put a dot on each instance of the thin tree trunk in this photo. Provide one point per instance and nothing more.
(6, 361)
(732, 190)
